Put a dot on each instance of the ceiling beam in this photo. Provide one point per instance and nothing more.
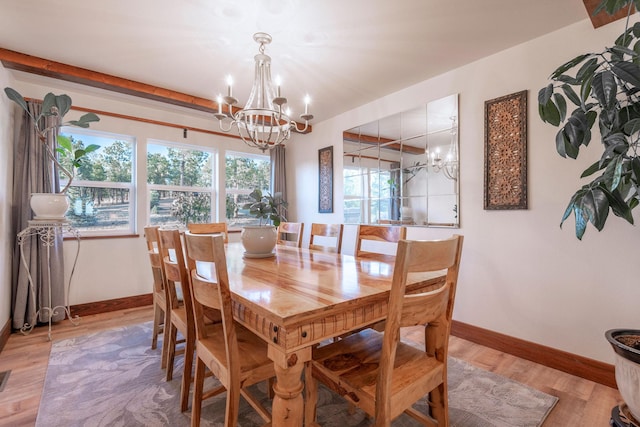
(602, 18)
(374, 140)
(44, 67)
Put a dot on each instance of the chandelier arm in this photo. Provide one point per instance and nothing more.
(294, 124)
(222, 127)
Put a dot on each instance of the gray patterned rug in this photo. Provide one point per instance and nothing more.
(113, 378)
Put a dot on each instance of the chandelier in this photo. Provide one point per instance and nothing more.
(262, 123)
(448, 165)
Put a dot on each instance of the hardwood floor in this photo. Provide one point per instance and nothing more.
(582, 402)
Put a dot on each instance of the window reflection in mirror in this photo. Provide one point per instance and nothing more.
(403, 169)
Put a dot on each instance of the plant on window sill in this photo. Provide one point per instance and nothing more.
(58, 106)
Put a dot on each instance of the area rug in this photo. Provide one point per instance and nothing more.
(113, 378)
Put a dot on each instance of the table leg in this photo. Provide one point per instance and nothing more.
(288, 403)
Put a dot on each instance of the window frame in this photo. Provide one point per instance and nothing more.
(212, 190)
(130, 186)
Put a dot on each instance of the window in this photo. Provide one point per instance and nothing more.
(243, 174)
(180, 181)
(367, 195)
(102, 195)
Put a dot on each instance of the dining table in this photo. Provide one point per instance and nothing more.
(298, 298)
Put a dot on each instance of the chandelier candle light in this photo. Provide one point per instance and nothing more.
(449, 165)
(262, 123)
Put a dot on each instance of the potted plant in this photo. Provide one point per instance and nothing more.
(604, 87)
(65, 158)
(259, 240)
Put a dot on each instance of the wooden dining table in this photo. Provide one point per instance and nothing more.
(299, 298)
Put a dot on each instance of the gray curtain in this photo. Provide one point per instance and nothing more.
(33, 172)
(278, 173)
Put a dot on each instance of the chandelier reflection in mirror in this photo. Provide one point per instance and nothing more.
(448, 165)
(262, 123)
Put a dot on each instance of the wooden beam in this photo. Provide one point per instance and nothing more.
(373, 140)
(603, 17)
(44, 67)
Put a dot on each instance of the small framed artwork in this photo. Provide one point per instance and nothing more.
(325, 178)
(505, 152)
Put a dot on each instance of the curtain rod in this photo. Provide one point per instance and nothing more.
(143, 120)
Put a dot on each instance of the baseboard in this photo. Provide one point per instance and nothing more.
(111, 305)
(4, 334)
(573, 364)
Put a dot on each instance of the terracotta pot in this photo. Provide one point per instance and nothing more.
(627, 368)
(259, 240)
(49, 206)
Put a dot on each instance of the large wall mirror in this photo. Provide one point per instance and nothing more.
(403, 169)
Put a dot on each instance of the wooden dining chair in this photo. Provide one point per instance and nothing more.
(180, 317)
(327, 233)
(290, 234)
(377, 371)
(235, 355)
(159, 297)
(210, 228)
(378, 242)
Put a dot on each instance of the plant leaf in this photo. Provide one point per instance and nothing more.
(13, 95)
(562, 106)
(571, 94)
(544, 94)
(63, 102)
(64, 142)
(591, 169)
(605, 89)
(569, 64)
(627, 71)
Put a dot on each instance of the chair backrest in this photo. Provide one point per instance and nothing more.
(175, 271)
(153, 249)
(373, 235)
(329, 231)
(433, 309)
(210, 285)
(210, 228)
(290, 234)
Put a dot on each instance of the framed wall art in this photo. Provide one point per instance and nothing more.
(325, 178)
(505, 152)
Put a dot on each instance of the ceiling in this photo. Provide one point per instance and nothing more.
(343, 53)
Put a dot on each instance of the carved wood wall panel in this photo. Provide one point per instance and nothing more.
(505, 152)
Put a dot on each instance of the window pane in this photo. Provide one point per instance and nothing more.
(112, 162)
(97, 209)
(179, 207)
(243, 174)
(184, 167)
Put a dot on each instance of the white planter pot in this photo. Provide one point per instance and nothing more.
(627, 369)
(259, 240)
(49, 206)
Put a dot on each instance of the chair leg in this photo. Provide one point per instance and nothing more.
(196, 406)
(157, 313)
(171, 336)
(311, 396)
(165, 339)
(186, 375)
(233, 404)
(440, 405)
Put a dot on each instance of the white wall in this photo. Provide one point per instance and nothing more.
(521, 274)
(6, 183)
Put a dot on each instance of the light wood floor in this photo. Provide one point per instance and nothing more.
(582, 402)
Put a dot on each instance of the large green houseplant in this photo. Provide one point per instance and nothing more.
(604, 88)
(259, 240)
